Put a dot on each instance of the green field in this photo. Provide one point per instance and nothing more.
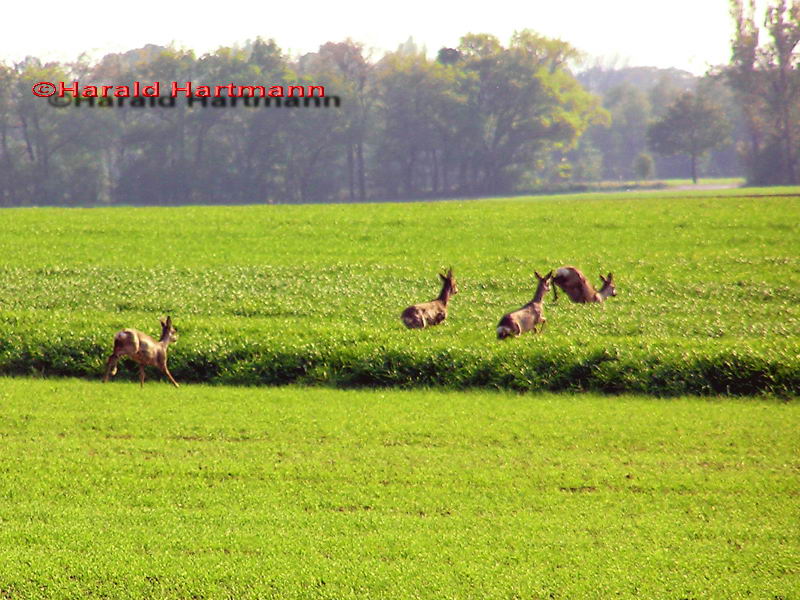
(455, 488)
(225, 492)
(709, 291)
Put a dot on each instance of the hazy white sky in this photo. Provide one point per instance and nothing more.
(687, 34)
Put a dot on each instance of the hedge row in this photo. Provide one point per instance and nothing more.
(512, 365)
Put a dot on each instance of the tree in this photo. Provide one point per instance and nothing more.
(420, 115)
(643, 166)
(345, 68)
(626, 137)
(766, 80)
(525, 104)
(692, 126)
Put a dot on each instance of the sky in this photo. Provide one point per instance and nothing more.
(685, 34)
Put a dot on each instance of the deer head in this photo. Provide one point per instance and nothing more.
(544, 281)
(608, 289)
(168, 332)
(449, 281)
(543, 285)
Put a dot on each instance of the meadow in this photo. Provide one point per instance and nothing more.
(708, 291)
(290, 492)
(459, 486)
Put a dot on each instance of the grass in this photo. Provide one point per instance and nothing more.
(707, 181)
(709, 291)
(215, 492)
(634, 185)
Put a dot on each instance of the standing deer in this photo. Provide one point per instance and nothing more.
(577, 287)
(434, 312)
(143, 349)
(529, 316)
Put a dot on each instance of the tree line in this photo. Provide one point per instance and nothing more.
(483, 118)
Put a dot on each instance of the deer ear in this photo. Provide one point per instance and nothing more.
(169, 322)
(610, 276)
(603, 279)
(549, 275)
(444, 277)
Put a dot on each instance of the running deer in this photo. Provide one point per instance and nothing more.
(434, 312)
(529, 316)
(577, 287)
(143, 349)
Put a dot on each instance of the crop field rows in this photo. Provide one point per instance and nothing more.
(709, 291)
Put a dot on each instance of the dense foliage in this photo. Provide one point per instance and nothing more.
(482, 118)
(765, 76)
(405, 125)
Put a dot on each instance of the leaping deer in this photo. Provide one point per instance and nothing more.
(143, 349)
(529, 316)
(434, 312)
(575, 285)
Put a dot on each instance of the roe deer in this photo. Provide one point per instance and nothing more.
(434, 312)
(577, 287)
(143, 349)
(529, 316)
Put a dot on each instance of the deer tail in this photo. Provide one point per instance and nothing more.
(507, 327)
(412, 318)
(126, 340)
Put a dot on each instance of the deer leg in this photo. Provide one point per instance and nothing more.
(141, 375)
(111, 367)
(162, 365)
(542, 323)
(171, 378)
(555, 293)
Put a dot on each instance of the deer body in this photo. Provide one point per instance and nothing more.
(575, 285)
(530, 316)
(143, 349)
(427, 314)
